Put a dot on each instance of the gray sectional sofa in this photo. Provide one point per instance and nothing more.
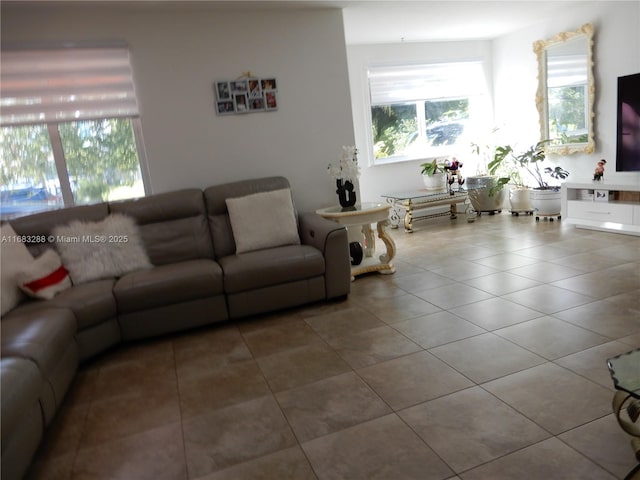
(197, 278)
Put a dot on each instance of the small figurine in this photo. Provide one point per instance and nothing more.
(453, 167)
(599, 172)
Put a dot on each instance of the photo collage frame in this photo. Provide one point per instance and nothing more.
(246, 95)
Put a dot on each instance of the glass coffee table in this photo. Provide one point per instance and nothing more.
(405, 204)
(625, 373)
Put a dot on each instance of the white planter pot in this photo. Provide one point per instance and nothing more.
(520, 200)
(436, 182)
(546, 203)
(479, 187)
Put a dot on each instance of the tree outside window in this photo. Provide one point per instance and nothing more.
(413, 129)
(425, 111)
(568, 114)
(101, 164)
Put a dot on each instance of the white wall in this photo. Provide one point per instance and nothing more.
(616, 53)
(177, 54)
(405, 176)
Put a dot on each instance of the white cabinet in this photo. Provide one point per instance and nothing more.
(602, 206)
(600, 212)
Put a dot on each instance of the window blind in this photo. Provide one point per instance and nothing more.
(407, 83)
(566, 70)
(41, 86)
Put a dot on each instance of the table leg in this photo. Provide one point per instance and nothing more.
(471, 213)
(370, 242)
(408, 219)
(394, 213)
(390, 247)
(454, 211)
(628, 425)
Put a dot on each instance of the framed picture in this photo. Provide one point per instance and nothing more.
(245, 95)
(242, 102)
(268, 84)
(601, 195)
(225, 107)
(238, 86)
(255, 90)
(222, 91)
(270, 101)
(256, 104)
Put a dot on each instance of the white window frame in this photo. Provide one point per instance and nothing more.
(61, 162)
(475, 92)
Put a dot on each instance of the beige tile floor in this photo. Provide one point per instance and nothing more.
(483, 357)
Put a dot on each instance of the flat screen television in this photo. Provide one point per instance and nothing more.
(628, 140)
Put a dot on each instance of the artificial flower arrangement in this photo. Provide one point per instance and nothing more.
(345, 174)
(347, 169)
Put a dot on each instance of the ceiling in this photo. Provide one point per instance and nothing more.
(386, 21)
(419, 21)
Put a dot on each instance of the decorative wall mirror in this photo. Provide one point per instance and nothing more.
(566, 91)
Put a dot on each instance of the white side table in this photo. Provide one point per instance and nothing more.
(365, 215)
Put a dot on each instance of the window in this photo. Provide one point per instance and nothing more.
(70, 129)
(568, 98)
(423, 111)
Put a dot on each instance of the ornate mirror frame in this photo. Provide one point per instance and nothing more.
(541, 48)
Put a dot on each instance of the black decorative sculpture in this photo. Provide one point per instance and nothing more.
(346, 194)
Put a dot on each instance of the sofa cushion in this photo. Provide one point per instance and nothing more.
(269, 267)
(263, 220)
(21, 386)
(92, 303)
(104, 249)
(22, 421)
(215, 198)
(168, 284)
(40, 225)
(44, 277)
(42, 335)
(15, 257)
(173, 225)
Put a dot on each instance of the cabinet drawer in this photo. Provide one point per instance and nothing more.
(600, 212)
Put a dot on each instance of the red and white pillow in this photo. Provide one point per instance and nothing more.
(44, 277)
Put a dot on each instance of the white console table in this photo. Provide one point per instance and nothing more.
(619, 212)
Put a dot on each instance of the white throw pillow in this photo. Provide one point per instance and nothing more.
(263, 220)
(14, 256)
(106, 249)
(44, 277)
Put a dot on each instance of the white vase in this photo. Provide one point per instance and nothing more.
(479, 188)
(520, 200)
(546, 203)
(436, 182)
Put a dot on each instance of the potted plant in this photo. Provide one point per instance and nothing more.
(434, 175)
(545, 198)
(506, 165)
(486, 190)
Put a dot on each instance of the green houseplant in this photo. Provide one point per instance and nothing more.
(431, 168)
(545, 198)
(504, 162)
(485, 189)
(530, 161)
(434, 175)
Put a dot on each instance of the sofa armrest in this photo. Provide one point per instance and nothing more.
(332, 240)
